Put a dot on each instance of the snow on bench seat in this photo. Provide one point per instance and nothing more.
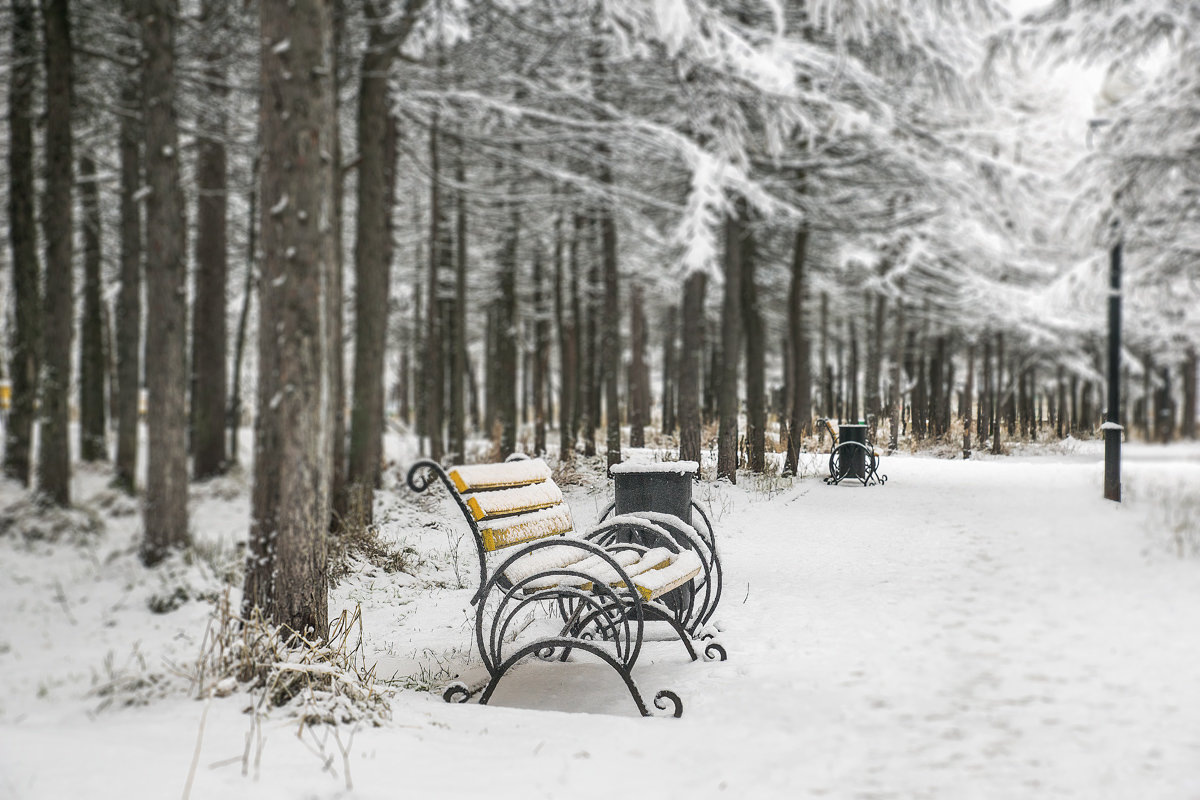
(507, 531)
(654, 572)
(505, 502)
(499, 476)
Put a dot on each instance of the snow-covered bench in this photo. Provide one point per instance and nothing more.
(603, 585)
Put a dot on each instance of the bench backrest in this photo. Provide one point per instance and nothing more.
(512, 503)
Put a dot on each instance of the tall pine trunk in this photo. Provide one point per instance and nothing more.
(93, 428)
(335, 280)
(376, 130)
(54, 465)
(286, 572)
(129, 296)
(968, 400)
(731, 331)
(690, 353)
(637, 369)
(566, 311)
(541, 355)
(505, 362)
(459, 366)
(669, 370)
(208, 316)
(799, 405)
(248, 289)
(22, 228)
(897, 379)
(437, 322)
(1188, 423)
(756, 343)
(166, 520)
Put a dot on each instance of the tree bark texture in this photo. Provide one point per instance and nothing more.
(541, 354)
(505, 362)
(376, 131)
(335, 280)
(756, 343)
(286, 570)
(670, 370)
(731, 331)
(637, 369)
(690, 353)
(459, 366)
(93, 419)
(1188, 426)
(211, 252)
(54, 465)
(897, 379)
(248, 290)
(165, 515)
(611, 332)
(437, 322)
(968, 399)
(22, 230)
(565, 310)
(129, 297)
(800, 403)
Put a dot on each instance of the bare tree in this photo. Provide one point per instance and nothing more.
(92, 417)
(165, 513)
(690, 353)
(286, 567)
(54, 465)
(27, 301)
(208, 318)
(129, 296)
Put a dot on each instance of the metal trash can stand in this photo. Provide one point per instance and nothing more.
(853, 461)
(664, 487)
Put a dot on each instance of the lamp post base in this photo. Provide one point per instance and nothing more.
(1112, 463)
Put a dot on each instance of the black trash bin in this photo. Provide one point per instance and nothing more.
(662, 487)
(852, 461)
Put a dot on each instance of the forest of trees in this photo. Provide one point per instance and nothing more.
(576, 228)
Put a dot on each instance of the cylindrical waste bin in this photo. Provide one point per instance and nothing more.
(663, 487)
(852, 461)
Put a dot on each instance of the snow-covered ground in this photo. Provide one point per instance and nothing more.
(990, 629)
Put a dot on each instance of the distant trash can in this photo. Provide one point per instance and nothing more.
(852, 461)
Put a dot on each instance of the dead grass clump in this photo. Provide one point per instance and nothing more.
(320, 682)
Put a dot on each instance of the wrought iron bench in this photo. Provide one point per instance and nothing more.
(603, 586)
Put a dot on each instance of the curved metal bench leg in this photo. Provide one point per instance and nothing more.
(660, 698)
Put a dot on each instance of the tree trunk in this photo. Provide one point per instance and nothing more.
(1188, 424)
(458, 322)
(248, 289)
(589, 372)
(690, 353)
(997, 394)
(208, 315)
(565, 310)
(939, 399)
(129, 296)
(541, 355)
(335, 279)
(896, 380)
(437, 323)
(669, 370)
(505, 362)
(756, 389)
(968, 399)
(54, 466)
(372, 268)
(286, 570)
(731, 330)
(166, 520)
(799, 404)
(637, 368)
(92, 418)
(852, 374)
(22, 230)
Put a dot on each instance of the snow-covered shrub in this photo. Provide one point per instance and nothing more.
(33, 519)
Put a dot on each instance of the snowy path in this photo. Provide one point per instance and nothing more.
(988, 629)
